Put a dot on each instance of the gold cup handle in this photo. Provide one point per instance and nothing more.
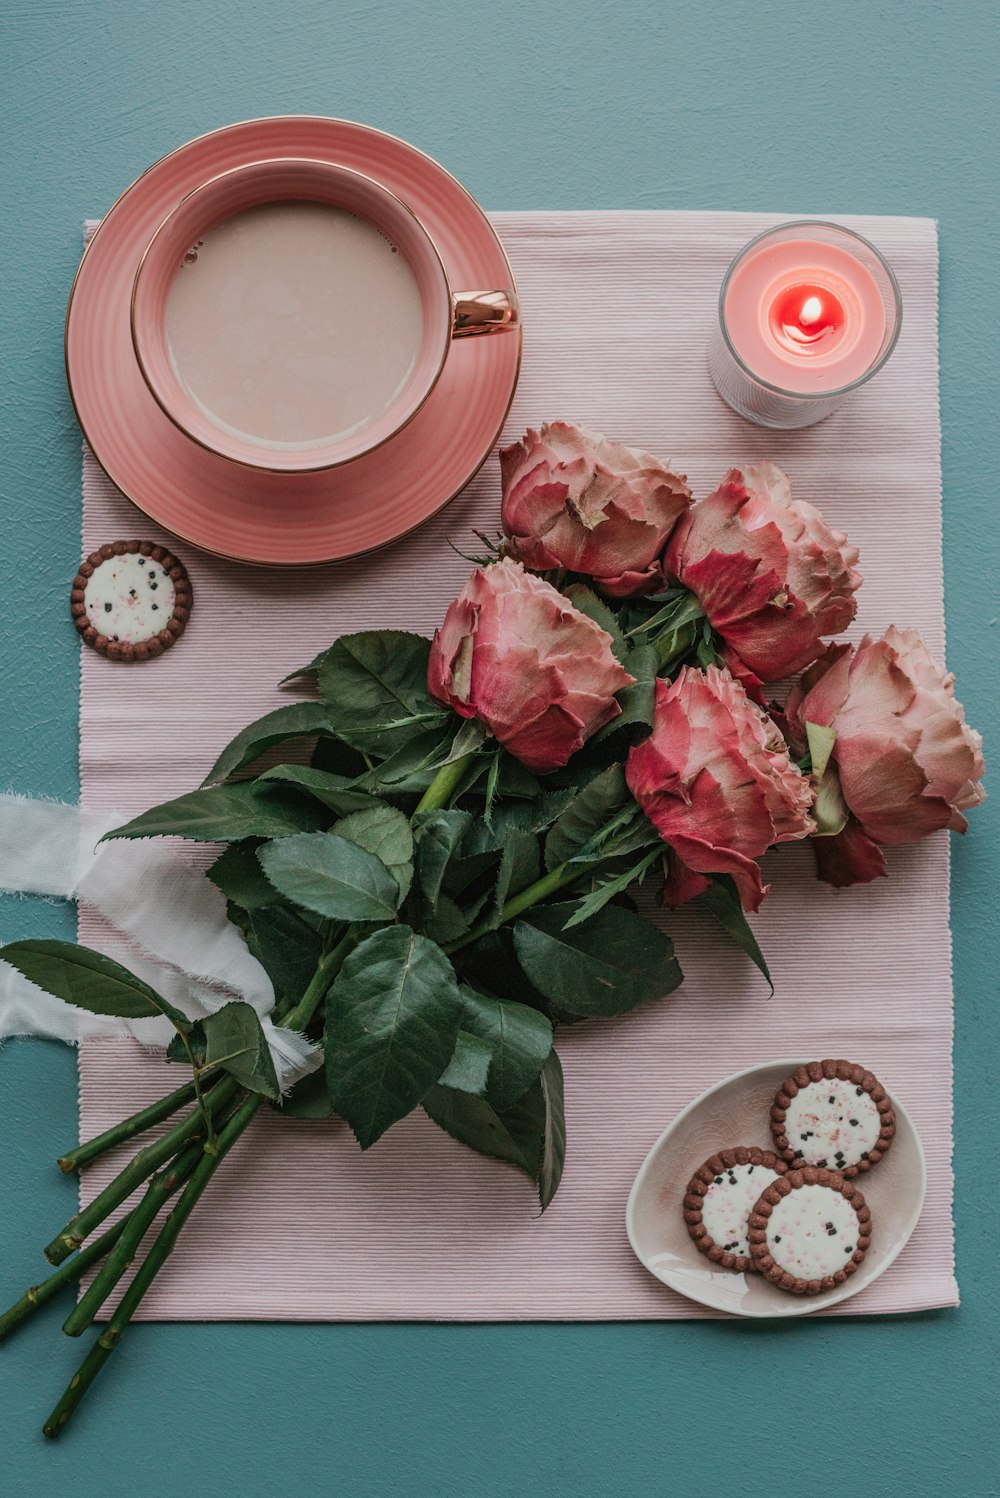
(478, 312)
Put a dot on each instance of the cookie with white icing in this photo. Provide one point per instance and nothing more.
(809, 1231)
(718, 1200)
(833, 1114)
(131, 600)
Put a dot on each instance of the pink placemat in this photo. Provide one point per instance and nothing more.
(300, 1225)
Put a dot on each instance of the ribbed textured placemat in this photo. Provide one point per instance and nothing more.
(300, 1225)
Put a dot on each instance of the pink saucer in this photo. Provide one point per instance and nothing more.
(250, 515)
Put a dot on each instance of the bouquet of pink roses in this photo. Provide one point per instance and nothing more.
(438, 873)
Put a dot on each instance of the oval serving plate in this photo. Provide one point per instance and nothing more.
(734, 1112)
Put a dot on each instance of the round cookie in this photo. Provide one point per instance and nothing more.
(809, 1231)
(718, 1200)
(832, 1114)
(131, 600)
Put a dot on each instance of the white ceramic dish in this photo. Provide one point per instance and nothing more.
(734, 1112)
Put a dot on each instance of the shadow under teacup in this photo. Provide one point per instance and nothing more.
(292, 315)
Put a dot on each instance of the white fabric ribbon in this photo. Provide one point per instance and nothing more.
(166, 909)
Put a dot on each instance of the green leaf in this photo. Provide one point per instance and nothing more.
(286, 947)
(298, 720)
(519, 1039)
(587, 602)
(591, 809)
(636, 703)
(386, 832)
(392, 1021)
(89, 981)
(554, 1142)
(821, 740)
(309, 1098)
(374, 685)
(301, 672)
(224, 814)
(469, 1066)
(334, 877)
(238, 874)
(520, 865)
(412, 767)
(611, 963)
(337, 758)
(437, 836)
(517, 1135)
(606, 889)
(235, 1041)
(530, 1134)
(445, 920)
(337, 792)
(723, 900)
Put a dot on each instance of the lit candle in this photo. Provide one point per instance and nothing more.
(807, 313)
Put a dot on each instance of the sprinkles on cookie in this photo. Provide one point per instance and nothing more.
(718, 1200)
(834, 1115)
(131, 600)
(809, 1231)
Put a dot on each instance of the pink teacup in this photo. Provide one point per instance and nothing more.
(288, 338)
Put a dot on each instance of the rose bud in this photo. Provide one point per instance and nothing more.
(538, 674)
(893, 757)
(572, 499)
(771, 575)
(715, 779)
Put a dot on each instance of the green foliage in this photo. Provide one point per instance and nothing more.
(386, 832)
(530, 1134)
(336, 792)
(309, 1098)
(723, 900)
(238, 874)
(520, 865)
(286, 946)
(89, 981)
(332, 876)
(605, 889)
(235, 1042)
(518, 1039)
(611, 963)
(392, 1022)
(296, 721)
(374, 685)
(592, 809)
(225, 814)
(437, 835)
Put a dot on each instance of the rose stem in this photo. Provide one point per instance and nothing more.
(162, 1246)
(440, 790)
(120, 1133)
(162, 1186)
(135, 1172)
(37, 1296)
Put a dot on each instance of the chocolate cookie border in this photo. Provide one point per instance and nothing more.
(844, 1071)
(810, 1175)
(697, 1189)
(171, 632)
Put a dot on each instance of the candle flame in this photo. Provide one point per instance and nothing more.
(812, 310)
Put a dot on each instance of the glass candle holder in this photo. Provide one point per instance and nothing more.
(808, 312)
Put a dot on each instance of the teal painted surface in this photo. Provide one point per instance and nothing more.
(558, 103)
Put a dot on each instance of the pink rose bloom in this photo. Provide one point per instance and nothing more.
(904, 761)
(715, 779)
(771, 575)
(538, 674)
(571, 499)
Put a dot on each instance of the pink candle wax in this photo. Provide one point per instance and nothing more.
(805, 315)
